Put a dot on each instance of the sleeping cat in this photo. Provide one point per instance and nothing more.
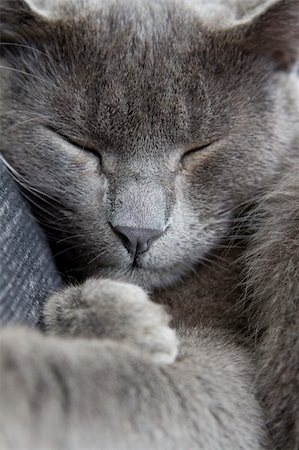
(144, 134)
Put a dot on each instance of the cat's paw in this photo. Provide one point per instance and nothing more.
(114, 310)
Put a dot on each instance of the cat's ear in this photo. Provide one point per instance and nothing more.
(274, 33)
(19, 21)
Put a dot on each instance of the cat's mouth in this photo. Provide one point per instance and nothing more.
(136, 263)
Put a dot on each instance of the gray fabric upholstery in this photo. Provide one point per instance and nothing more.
(27, 271)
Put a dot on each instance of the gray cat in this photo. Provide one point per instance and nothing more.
(145, 134)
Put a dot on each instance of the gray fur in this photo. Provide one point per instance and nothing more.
(140, 84)
(110, 309)
(273, 283)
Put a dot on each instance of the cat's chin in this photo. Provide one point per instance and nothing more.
(140, 272)
(148, 279)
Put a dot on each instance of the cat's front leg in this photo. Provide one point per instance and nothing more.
(115, 310)
(90, 394)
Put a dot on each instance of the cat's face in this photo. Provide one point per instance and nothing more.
(140, 132)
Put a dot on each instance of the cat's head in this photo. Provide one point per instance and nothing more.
(140, 129)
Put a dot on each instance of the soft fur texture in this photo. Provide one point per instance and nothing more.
(155, 115)
(273, 285)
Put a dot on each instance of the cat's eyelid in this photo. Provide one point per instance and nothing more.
(197, 148)
(74, 142)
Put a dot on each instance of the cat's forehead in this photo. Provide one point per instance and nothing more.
(122, 23)
(143, 31)
(131, 64)
(135, 70)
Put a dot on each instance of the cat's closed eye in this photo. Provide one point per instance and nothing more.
(191, 155)
(196, 149)
(77, 143)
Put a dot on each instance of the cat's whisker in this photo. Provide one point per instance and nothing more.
(31, 201)
(48, 228)
(38, 206)
(13, 44)
(35, 194)
(73, 247)
(26, 185)
(73, 236)
(95, 258)
(211, 261)
(244, 203)
(18, 124)
(23, 72)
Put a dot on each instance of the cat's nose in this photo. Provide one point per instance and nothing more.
(137, 240)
